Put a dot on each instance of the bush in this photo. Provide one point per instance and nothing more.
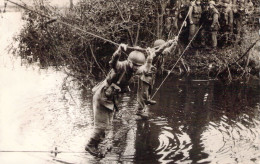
(132, 22)
(137, 22)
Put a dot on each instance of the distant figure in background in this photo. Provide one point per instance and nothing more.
(195, 12)
(226, 21)
(211, 25)
(239, 12)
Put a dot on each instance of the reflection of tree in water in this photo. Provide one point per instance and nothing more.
(236, 99)
(145, 142)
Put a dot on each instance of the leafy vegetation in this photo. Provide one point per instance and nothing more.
(137, 22)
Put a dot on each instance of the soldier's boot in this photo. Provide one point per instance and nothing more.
(150, 102)
(143, 113)
(92, 147)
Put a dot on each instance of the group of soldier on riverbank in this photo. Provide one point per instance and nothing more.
(220, 20)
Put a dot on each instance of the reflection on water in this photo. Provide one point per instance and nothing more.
(193, 122)
(208, 122)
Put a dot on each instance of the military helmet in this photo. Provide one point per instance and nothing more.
(212, 3)
(137, 58)
(158, 42)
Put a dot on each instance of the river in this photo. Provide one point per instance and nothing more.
(194, 120)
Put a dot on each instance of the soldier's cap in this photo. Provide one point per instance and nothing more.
(212, 3)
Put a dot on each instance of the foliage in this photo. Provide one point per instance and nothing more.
(131, 22)
(137, 22)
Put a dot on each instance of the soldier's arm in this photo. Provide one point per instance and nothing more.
(215, 17)
(148, 63)
(115, 57)
(171, 48)
(190, 14)
(163, 47)
(149, 59)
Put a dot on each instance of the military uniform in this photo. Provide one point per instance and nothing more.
(226, 21)
(194, 18)
(147, 75)
(239, 12)
(146, 81)
(105, 99)
(211, 25)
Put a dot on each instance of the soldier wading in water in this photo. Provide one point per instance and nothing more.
(147, 74)
(105, 94)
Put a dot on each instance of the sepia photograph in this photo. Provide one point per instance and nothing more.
(132, 82)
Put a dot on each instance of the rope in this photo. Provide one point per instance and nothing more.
(250, 47)
(175, 49)
(77, 28)
(38, 151)
(176, 62)
(183, 24)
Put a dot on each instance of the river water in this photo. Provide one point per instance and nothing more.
(194, 120)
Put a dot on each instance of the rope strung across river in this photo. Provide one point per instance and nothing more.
(55, 152)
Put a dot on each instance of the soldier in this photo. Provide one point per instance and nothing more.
(169, 22)
(147, 74)
(239, 12)
(194, 18)
(226, 20)
(106, 94)
(181, 14)
(211, 24)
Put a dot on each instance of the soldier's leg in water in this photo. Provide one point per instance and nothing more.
(142, 97)
(142, 94)
(109, 133)
(150, 85)
(102, 120)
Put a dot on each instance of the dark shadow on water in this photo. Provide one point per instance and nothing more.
(186, 109)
